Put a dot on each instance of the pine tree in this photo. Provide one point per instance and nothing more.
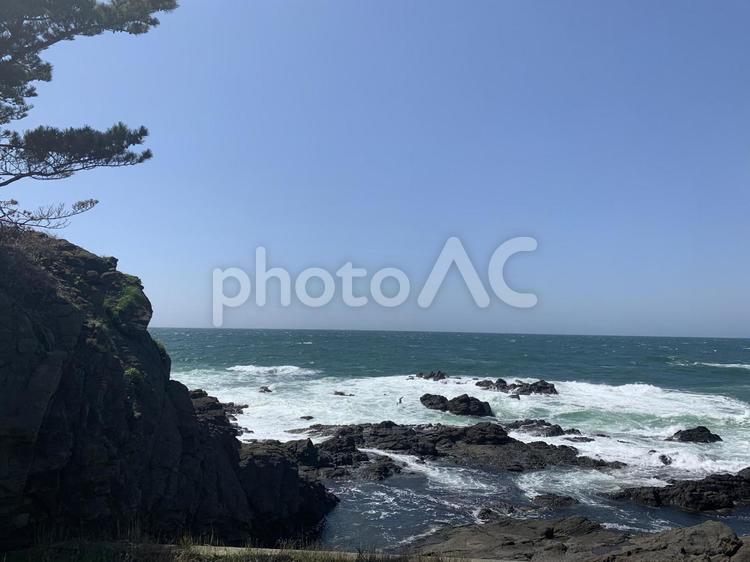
(27, 28)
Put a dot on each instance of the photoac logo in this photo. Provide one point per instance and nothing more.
(452, 254)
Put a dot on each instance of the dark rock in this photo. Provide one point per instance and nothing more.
(500, 510)
(698, 434)
(518, 387)
(484, 445)
(233, 409)
(433, 376)
(466, 405)
(538, 387)
(514, 396)
(283, 503)
(665, 459)
(485, 384)
(341, 393)
(541, 428)
(307, 418)
(718, 492)
(554, 501)
(463, 405)
(264, 389)
(579, 439)
(380, 469)
(434, 402)
(95, 435)
(577, 538)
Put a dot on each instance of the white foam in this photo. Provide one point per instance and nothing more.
(451, 478)
(272, 370)
(726, 365)
(636, 417)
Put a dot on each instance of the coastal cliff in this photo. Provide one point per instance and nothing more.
(95, 435)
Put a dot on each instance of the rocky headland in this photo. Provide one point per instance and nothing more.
(95, 435)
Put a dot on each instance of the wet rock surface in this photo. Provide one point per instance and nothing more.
(700, 434)
(463, 405)
(484, 445)
(539, 427)
(518, 387)
(717, 492)
(432, 376)
(554, 501)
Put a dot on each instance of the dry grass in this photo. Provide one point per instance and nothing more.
(127, 552)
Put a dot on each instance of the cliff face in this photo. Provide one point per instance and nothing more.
(93, 433)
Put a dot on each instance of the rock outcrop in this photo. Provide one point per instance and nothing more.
(577, 538)
(432, 376)
(95, 434)
(484, 445)
(700, 434)
(463, 405)
(717, 492)
(518, 388)
(541, 428)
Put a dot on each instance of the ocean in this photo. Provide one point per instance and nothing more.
(636, 390)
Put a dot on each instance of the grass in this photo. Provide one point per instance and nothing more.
(131, 542)
(130, 298)
(133, 375)
(127, 552)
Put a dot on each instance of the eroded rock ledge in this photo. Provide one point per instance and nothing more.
(577, 538)
(717, 492)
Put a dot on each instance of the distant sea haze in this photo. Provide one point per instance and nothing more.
(627, 393)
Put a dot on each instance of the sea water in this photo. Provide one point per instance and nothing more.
(636, 391)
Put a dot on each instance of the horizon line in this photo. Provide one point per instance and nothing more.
(212, 328)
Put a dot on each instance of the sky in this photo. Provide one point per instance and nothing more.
(617, 134)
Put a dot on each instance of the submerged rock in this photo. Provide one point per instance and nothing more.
(700, 434)
(554, 501)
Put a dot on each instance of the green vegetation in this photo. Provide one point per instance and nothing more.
(134, 375)
(129, 300)
(27, 28)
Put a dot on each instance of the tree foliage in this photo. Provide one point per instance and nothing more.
(27, 28)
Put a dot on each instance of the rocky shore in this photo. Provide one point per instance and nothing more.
(94, 435)
(579, 539)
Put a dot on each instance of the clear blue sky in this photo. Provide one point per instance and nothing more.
(616, 133)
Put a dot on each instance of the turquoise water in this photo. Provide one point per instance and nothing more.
(638, 391)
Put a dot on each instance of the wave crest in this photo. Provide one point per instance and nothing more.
(279, 370)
